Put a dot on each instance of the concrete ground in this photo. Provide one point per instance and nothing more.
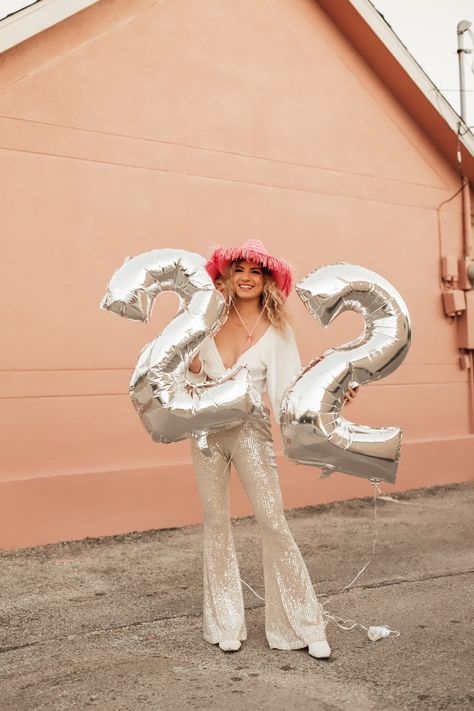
(115, 623)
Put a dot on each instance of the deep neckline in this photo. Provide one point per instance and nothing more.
(244, 353)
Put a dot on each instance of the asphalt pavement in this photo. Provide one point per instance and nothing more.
(115, 623)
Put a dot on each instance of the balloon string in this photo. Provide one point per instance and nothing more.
(348, 624)
(344, 624)
(375, 491)
(250, 588)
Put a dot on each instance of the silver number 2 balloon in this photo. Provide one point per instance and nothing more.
(171, 408)
(313, 429)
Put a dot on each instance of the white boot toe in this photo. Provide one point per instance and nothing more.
(320, 650)
(230, 645)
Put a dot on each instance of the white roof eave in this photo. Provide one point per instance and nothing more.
(388, 37)
(37, 17)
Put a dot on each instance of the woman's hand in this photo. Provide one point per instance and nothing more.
(195, 365)
(350, 395)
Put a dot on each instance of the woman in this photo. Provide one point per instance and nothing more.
(256, 334)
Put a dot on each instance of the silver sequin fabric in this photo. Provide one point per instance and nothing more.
(293, 617)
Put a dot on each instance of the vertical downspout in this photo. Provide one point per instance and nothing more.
(467, 244)
(463, 27)
(471, 385)
(466, 221)
(468, 266)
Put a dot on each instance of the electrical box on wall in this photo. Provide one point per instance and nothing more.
(466, 323)
(454, 302)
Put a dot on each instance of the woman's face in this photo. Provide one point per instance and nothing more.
(247, 280)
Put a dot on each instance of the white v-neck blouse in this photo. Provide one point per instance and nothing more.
(273, 361)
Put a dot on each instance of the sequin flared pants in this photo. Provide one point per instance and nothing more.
(293, 616)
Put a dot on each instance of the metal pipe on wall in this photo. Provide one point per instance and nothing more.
(463, 26)
(466, 280)
(466, 221)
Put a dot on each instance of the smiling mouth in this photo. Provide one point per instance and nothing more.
(245, 286)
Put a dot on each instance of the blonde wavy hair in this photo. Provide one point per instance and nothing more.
(271, 299)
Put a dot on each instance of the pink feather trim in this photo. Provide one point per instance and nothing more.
(252, 251)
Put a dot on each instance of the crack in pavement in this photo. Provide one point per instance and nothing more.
(401, 581)
(367, 586)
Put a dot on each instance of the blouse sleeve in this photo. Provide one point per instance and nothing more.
(283, 363)
(201, 377)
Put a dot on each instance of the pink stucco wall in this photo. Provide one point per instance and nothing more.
(133, 126)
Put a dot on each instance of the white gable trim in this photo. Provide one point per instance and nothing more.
(388, 37)
(8, 7)
(36, 18)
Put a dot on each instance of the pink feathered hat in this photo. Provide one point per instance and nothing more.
(252, 251)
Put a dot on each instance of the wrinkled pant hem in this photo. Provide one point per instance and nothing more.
(286, 646)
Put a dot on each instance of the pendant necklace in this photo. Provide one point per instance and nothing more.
(249, 332)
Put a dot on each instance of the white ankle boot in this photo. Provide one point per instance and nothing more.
(230, 645)
(320, 650)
